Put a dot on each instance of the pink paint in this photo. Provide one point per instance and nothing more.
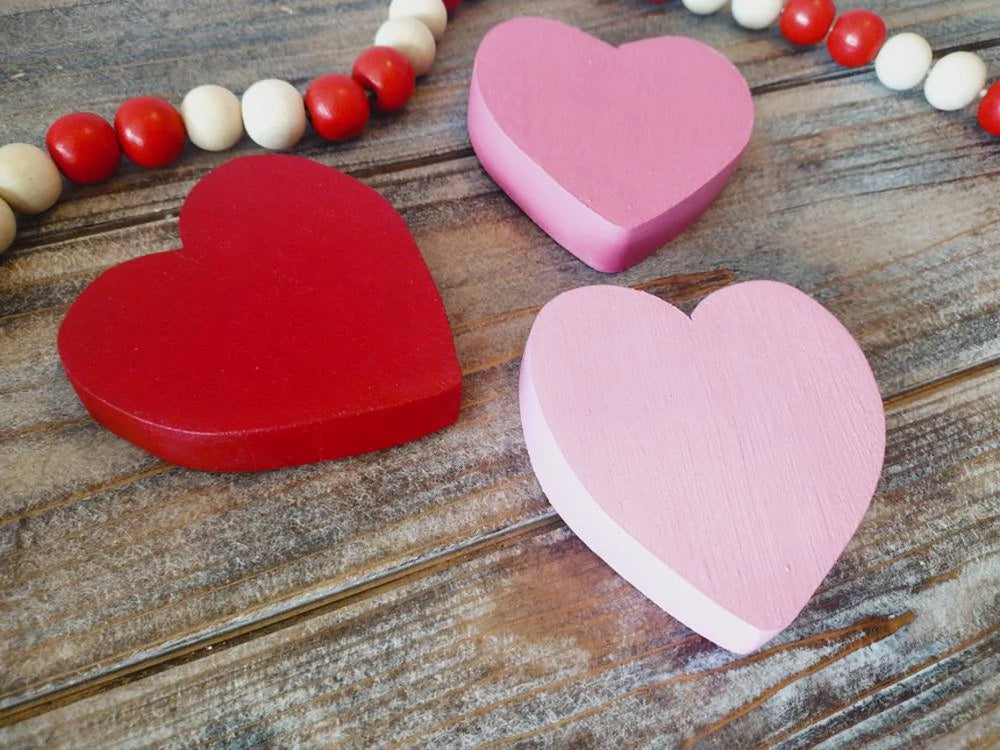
(721, 462)
(612, 151)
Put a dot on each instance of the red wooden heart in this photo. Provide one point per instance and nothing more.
(298, 323)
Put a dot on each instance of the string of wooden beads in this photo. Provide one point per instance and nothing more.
(858, 38)
(86, 149)
(152, 133)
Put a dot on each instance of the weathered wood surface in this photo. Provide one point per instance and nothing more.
(60, 56)
(111, 562)
(535, 639)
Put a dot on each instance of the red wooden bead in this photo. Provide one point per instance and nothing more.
(388, 73)
(150, 130)
(806, 22)
(856, 38)
(452, 5)
(84, 147)
(338, 106)
(989, 110)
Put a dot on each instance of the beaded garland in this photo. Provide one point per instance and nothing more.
(151, 132)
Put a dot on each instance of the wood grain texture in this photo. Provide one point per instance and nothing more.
(875, 205)
(536, 640)
(167, 54)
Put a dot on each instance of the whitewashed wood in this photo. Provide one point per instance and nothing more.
(907, 298)
(318, 37)
(872, 202)
(536, 640)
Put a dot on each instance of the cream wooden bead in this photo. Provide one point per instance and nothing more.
(412, 38)
(955, 81)
(29, 180)
(756, 14)
(213, 117)
(8, 226)
(273, 114)
(431, 13)
(903, 61)
(704, 7)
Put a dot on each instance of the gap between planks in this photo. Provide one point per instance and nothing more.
(152, 217)
(357, 592)
(380, 582)
(840, 74)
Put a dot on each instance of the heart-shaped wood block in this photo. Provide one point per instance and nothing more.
(298, 323)
(720, 463)
(611, 151)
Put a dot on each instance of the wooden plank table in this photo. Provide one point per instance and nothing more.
(427, 595)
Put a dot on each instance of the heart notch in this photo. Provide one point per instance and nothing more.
(720, 463)
(298, 323)
(612, 151)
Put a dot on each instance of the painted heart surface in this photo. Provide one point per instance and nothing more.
(720, 463)
(611, 151)
(298, 323)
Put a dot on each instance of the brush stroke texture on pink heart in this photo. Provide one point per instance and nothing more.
(612, 151)
(720, 462)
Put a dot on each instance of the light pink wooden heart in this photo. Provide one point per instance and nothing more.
(721, 462)
(612, 151)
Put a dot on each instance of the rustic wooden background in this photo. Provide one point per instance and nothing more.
(427, 595)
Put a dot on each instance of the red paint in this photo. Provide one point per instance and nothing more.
(856, 38)
(84, 147)
(806, 22)
(298, 323)
(645, 155)
(338, 107)
(989, 110)
(150, 130)
(388, 73)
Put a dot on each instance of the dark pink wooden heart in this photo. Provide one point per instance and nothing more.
(612, 151)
